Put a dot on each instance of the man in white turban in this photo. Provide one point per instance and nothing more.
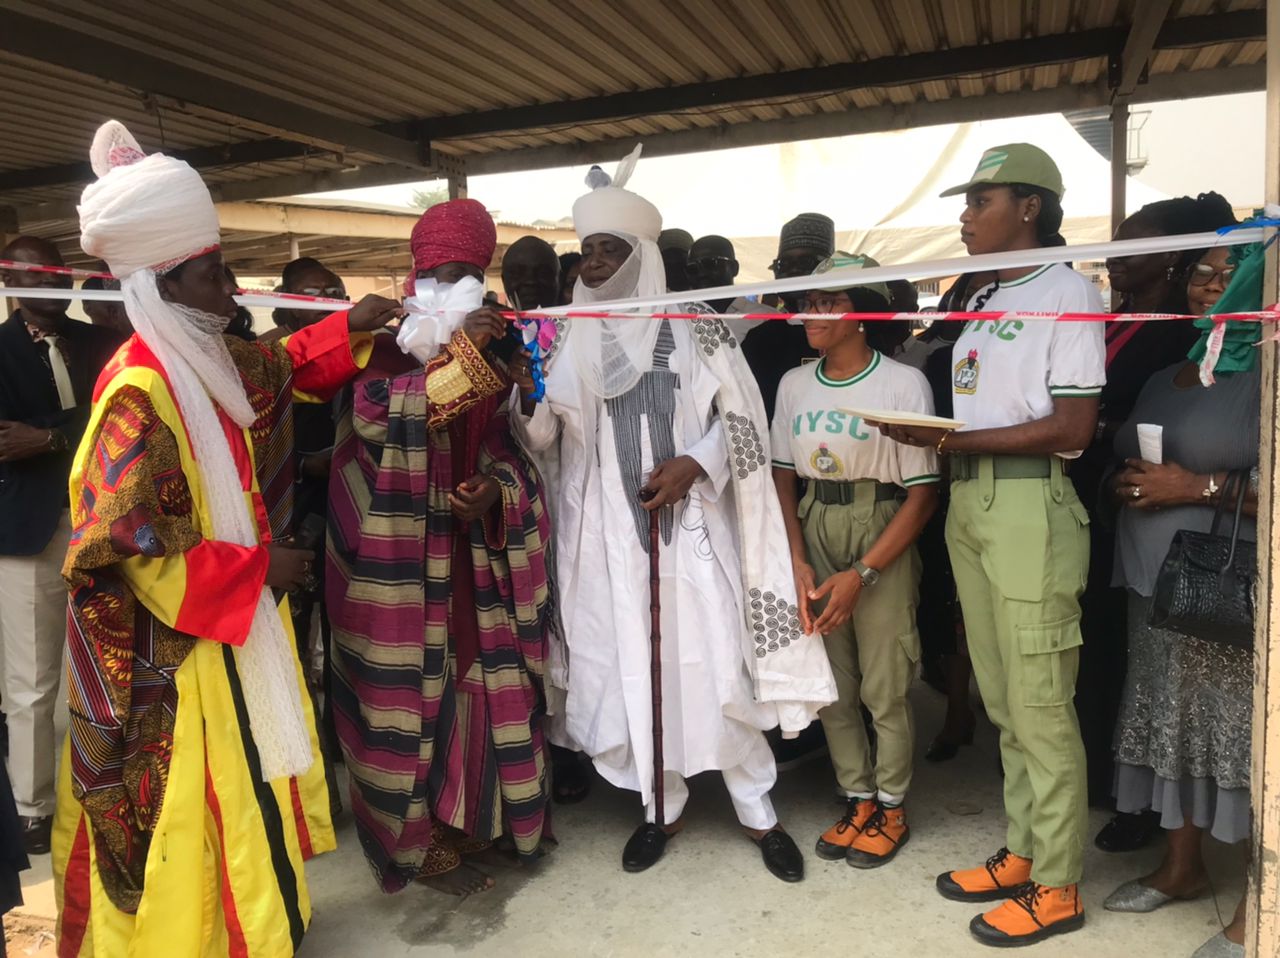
(190, 792)
(644, 416)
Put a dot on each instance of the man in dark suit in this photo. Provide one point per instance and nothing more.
(48, 366)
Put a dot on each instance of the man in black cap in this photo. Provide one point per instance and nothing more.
(674, 246)
(712, 263)
(773, 349)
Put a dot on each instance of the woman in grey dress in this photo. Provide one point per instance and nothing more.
(1183, 736)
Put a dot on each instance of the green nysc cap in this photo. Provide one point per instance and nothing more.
(1013, 163)
(842, 260)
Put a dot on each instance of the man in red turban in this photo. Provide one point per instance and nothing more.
(452, 240)
(437, 590)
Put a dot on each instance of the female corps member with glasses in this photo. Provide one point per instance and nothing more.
(852, 540)
(1019, 538)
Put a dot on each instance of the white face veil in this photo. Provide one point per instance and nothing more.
(610, 355)
(144, 216)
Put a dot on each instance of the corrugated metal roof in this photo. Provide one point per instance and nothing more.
(406, 67)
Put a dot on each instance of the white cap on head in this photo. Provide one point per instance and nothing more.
(609, 208)
(144, 212)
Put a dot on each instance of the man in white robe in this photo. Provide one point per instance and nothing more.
(667, 408)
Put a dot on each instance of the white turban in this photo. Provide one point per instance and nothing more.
(144, 211)
(608, 208)
(612, 354)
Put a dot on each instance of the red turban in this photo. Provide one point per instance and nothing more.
(459, 231)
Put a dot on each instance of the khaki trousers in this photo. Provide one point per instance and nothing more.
(33, 632)
(1020, 552)
(874, 655)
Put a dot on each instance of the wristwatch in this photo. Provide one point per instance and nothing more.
(869, 575)
(57, 441)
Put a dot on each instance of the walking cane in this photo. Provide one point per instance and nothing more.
(655, 665)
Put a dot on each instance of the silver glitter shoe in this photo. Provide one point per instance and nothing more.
(1133, 896)
(1219, 947)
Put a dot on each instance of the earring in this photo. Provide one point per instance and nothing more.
(862, 327)
(1025, 218)
(1169, 273)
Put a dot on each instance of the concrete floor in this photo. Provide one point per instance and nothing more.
(711, 896)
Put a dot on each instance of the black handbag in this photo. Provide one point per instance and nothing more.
(1205, 588)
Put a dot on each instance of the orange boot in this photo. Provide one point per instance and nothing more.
(880, 839)
(1033, 914)
(836, 840)
(1000, 877)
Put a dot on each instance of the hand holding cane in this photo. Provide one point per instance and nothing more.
(655, 661)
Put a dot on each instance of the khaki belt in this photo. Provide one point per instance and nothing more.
(833, 493)
(965, 467)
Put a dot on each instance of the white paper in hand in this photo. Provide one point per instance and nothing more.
(1151, 443)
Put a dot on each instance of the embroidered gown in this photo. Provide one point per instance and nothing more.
(166, 839)
(713, 714)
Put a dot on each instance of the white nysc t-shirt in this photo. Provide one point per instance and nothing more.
(1007, 372)
(812, 434)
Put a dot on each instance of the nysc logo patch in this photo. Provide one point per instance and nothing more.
(966, 376)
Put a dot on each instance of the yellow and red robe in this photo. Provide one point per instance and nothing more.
(166, 839)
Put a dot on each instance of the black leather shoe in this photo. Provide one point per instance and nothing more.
(942, 749)
(1128, 832)
(36, 834)
(781, 856)
(644, 848)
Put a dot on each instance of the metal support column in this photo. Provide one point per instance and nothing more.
(1119, 161)
(1262, 937)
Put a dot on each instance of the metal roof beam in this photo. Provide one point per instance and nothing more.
(1149, 17)
(290, 184)
(989, 58)
(887, 71)
(874, 120)
(230, 154)
(1175, 86)
(41, 40)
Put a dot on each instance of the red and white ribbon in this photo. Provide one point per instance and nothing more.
(953, 266)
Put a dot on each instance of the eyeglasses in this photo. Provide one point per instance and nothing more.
(708, 264)
(1202, 274)
(797, 266)
(329, 292)
(828, 303)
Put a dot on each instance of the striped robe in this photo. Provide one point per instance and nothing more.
(439, 628)
(166, 838)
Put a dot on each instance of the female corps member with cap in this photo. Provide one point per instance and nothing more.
(1019, 539)
(852, 541)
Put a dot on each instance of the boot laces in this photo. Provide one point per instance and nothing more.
(846, 820)
(994, 863)
(996, 860)
(1028, 897)
(875, 824)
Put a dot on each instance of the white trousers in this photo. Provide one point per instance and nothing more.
(33, 633)
(749, 785)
